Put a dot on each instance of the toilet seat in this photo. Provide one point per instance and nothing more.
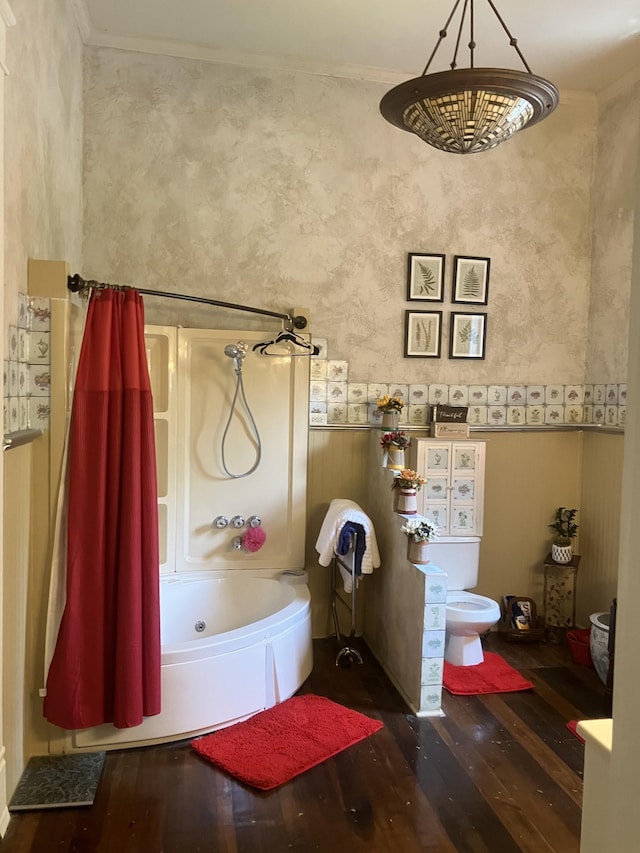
(468, 606)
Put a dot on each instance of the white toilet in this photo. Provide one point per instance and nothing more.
(468, 614)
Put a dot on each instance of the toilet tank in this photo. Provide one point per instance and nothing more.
(459, 557)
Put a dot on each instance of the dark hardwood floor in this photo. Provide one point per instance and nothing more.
(498, 773)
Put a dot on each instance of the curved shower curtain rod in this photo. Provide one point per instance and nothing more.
(76, 284)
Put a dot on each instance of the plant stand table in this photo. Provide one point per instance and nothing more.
(560, 581)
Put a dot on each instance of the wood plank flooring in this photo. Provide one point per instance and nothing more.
(498, 773)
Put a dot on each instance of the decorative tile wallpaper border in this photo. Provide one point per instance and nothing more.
(335, 400)
(27, 375)
(332, 398)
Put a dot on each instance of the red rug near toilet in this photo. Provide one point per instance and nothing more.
(493, 675)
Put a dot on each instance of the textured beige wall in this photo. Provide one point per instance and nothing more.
(613, 215)
(43, 216)
(275, 188)
(600, 512)
(43, 142)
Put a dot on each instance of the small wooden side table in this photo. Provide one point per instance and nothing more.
(560, 582)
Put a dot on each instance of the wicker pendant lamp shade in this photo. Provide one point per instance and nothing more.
(464, 111)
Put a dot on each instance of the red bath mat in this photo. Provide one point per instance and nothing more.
(572, 726)
(277, 744)
(493, 675)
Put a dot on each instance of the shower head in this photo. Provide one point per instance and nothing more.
(238, 352)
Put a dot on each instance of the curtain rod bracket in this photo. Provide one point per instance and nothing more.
(77, 284)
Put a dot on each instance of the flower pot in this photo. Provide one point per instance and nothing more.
(395, 458)
(390, 420)
(561, 553)
(407, 501)
(417, 551)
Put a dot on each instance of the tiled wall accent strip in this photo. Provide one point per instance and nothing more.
(335, 400)
(27, 373)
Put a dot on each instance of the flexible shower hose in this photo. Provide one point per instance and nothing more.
(240, 388)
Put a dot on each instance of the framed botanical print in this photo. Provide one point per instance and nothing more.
(471, 280)
(425, 278)
(422, 333)
(468, 333)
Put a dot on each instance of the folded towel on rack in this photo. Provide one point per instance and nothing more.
(351, 539)
(342, 511)
(353, 536)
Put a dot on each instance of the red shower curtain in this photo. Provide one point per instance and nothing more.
(106, 663)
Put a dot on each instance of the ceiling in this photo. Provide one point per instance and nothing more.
(583, 45)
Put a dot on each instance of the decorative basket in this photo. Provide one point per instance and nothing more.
(535, 631)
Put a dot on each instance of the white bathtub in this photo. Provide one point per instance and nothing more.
(232, 644)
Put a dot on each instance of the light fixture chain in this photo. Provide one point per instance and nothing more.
(454, 61)
(442, 35)
(472, 41)
(512, 41)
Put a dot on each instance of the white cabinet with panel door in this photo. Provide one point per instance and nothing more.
(453, 495)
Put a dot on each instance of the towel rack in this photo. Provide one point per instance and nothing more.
(347, 654)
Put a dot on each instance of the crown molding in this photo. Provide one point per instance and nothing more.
(189, 50)
(83, 22)
(6, 13)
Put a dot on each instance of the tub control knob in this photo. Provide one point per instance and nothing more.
(237, 521)
(254, 521)
(220, 521)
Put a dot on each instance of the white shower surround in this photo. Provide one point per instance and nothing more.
(254, 649)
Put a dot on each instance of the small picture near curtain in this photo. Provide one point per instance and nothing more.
(106, 662)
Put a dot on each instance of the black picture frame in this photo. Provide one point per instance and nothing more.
(422, 334)
(425, 277)
(470, 280)
(467, 334)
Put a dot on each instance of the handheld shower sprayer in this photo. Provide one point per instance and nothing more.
(238, 352)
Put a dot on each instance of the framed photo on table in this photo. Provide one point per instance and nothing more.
(468, 334)
(471, 280)
(425, 277)
(422, 334)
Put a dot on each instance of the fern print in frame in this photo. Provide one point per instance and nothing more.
(425, 277)
(467, 335)
(471, 280)
(422, 334)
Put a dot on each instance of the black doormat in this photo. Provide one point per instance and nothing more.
(58, 781)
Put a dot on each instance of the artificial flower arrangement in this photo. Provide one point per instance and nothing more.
(420, 530)
(389, 404)
(395, 439)
(408, 479)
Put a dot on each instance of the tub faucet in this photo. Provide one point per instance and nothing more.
(237, 542)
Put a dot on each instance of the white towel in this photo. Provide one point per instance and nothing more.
(340, 511)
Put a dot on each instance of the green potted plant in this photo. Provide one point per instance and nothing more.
(419, 531)
(394, 444)
(565, 530)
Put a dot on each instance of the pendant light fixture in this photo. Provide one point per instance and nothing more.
(464, 111)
